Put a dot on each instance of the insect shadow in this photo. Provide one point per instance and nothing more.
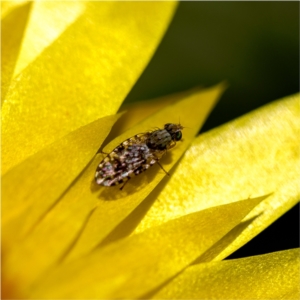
(134, 185)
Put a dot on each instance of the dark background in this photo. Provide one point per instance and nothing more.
(252, 45)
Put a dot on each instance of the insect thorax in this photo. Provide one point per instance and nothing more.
(163, 139)
(159, 140)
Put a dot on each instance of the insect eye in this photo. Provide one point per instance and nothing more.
(178, 135)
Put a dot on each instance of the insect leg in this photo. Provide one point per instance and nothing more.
(156, 160)
(171, 145)
(162, 168)
(103, 152)
(121, 188)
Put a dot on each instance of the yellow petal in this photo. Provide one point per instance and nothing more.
(30, 189)
(192, 110)
(47, 21)
(255, 155)
(132, 267)
(84, 74)
(86, 213)
(8, 6)
(270, 276)
(137, 112)
(13, 25)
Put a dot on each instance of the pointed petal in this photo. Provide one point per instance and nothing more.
(269, 276)
(85, 214)
(82, 75)
(255, 155)
(110, 213)
(134, 266)
(47, 21)
(139, 111)
(32, 188)
(13, 26)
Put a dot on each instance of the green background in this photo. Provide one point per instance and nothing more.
(252, 45)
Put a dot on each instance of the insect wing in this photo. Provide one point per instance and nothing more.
(131, 157)
(137, 139)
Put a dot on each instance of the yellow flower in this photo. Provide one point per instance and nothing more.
(67, 66)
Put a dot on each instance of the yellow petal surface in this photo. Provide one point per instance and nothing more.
(132, 267)
(13, 25)
(30, 189)
(85, 214)
(47, 21)
(269, 276)
(86, 66)
(255, 155)
(8, 6)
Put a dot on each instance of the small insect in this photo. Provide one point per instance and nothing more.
(136, 154)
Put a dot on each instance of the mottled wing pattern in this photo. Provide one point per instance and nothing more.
(131, 157)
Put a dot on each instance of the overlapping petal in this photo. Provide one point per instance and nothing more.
(269, 276)
(64, 79)
(80, 72)
(85, 213)
(44, 177)
(257, 154)
(13, 23)
(133, 267)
